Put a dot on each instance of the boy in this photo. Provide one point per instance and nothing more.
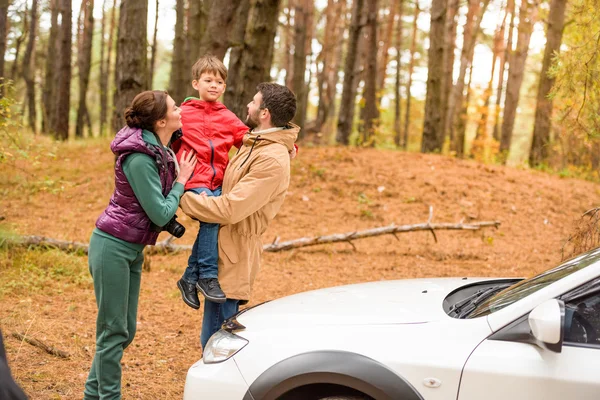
(210, 129)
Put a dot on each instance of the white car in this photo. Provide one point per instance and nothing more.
(432, 339)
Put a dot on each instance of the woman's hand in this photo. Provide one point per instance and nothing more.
(186, 166)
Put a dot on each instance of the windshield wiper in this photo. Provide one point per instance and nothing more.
(467, 305)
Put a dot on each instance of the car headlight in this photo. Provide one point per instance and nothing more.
(221, 346)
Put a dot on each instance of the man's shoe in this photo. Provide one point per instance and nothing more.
(211, 289)
(188, 294)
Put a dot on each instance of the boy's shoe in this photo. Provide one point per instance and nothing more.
(211, 289)
(188, 294)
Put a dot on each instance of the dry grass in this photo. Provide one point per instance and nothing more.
(60, 194)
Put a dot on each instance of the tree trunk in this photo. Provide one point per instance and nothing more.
(450, 45)
(216, 39)
(397, 124)
(371, 112)
(455, 102)
(433, 131)
(329, 59)
(63, 86)
(3, 30)
(510, 8)
(14, 72)
(84, 56)
(302, 37)
(411, 67)
(105, 47)
(498, 49)
(178, 82)
(153, 50)
(234, 79)
(132, 58)
(197, 20)
(257, 56)
(49, 87)
(287, 32)
(527, 17)
(543, 111)
(386, 40)
(346, 114)
(29, 67)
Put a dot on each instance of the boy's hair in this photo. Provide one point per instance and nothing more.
(210, 64)
(279, 100)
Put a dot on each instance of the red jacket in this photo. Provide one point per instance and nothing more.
(211, 130)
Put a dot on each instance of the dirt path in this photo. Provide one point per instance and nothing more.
(333, 190)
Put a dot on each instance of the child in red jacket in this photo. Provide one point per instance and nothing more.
(210, 129)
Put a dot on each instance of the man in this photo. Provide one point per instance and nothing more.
(254, 186)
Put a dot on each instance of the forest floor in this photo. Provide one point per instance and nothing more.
(61, 189)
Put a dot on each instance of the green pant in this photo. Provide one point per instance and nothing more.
(116, 267)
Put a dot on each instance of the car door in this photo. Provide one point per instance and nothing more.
(503, 367)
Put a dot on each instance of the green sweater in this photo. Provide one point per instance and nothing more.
(142, 173)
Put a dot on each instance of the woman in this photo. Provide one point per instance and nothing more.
(148, 186)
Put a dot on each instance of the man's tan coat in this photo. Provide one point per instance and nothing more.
(254, 187)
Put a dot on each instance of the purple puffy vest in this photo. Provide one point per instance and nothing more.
(124, 218)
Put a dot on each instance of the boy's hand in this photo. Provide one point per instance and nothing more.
(186, 166)
(294, 152)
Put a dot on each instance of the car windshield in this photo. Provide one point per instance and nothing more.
(526, 287)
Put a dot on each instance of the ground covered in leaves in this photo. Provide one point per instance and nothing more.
(59, 190)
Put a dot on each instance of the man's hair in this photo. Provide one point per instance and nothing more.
(209, 64)
(279, 100)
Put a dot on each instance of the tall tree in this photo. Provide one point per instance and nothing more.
(63, 86)
(371, 111)
(49, 87)
(497, 52)
(433, 132)
(449, 47)
(14, 71)
(397, 129)
(411, 66)
(287, 34)
(84, 61)
(346, 114)
(527, 17)
(510, 9)
(257, 56)
(196, 27)
(235, 56)
(456, 104)
(385, 41)
(543, 111)
(217, 37)
(131, 65)
(302, 38)
(3, 29)
(153, 48)
(328, 60)
(178, 82)
(29, 66)
(105, 62)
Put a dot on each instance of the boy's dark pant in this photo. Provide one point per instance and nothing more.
(203, 262)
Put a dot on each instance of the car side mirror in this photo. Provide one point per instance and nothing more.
(546, 322)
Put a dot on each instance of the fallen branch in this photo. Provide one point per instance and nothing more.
(34, 342)
(390, 229)
(167, 246)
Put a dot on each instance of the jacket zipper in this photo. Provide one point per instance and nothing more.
(212, 163)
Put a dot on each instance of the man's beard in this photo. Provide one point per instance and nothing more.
(251, 122)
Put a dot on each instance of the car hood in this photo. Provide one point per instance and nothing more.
(386, 302)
